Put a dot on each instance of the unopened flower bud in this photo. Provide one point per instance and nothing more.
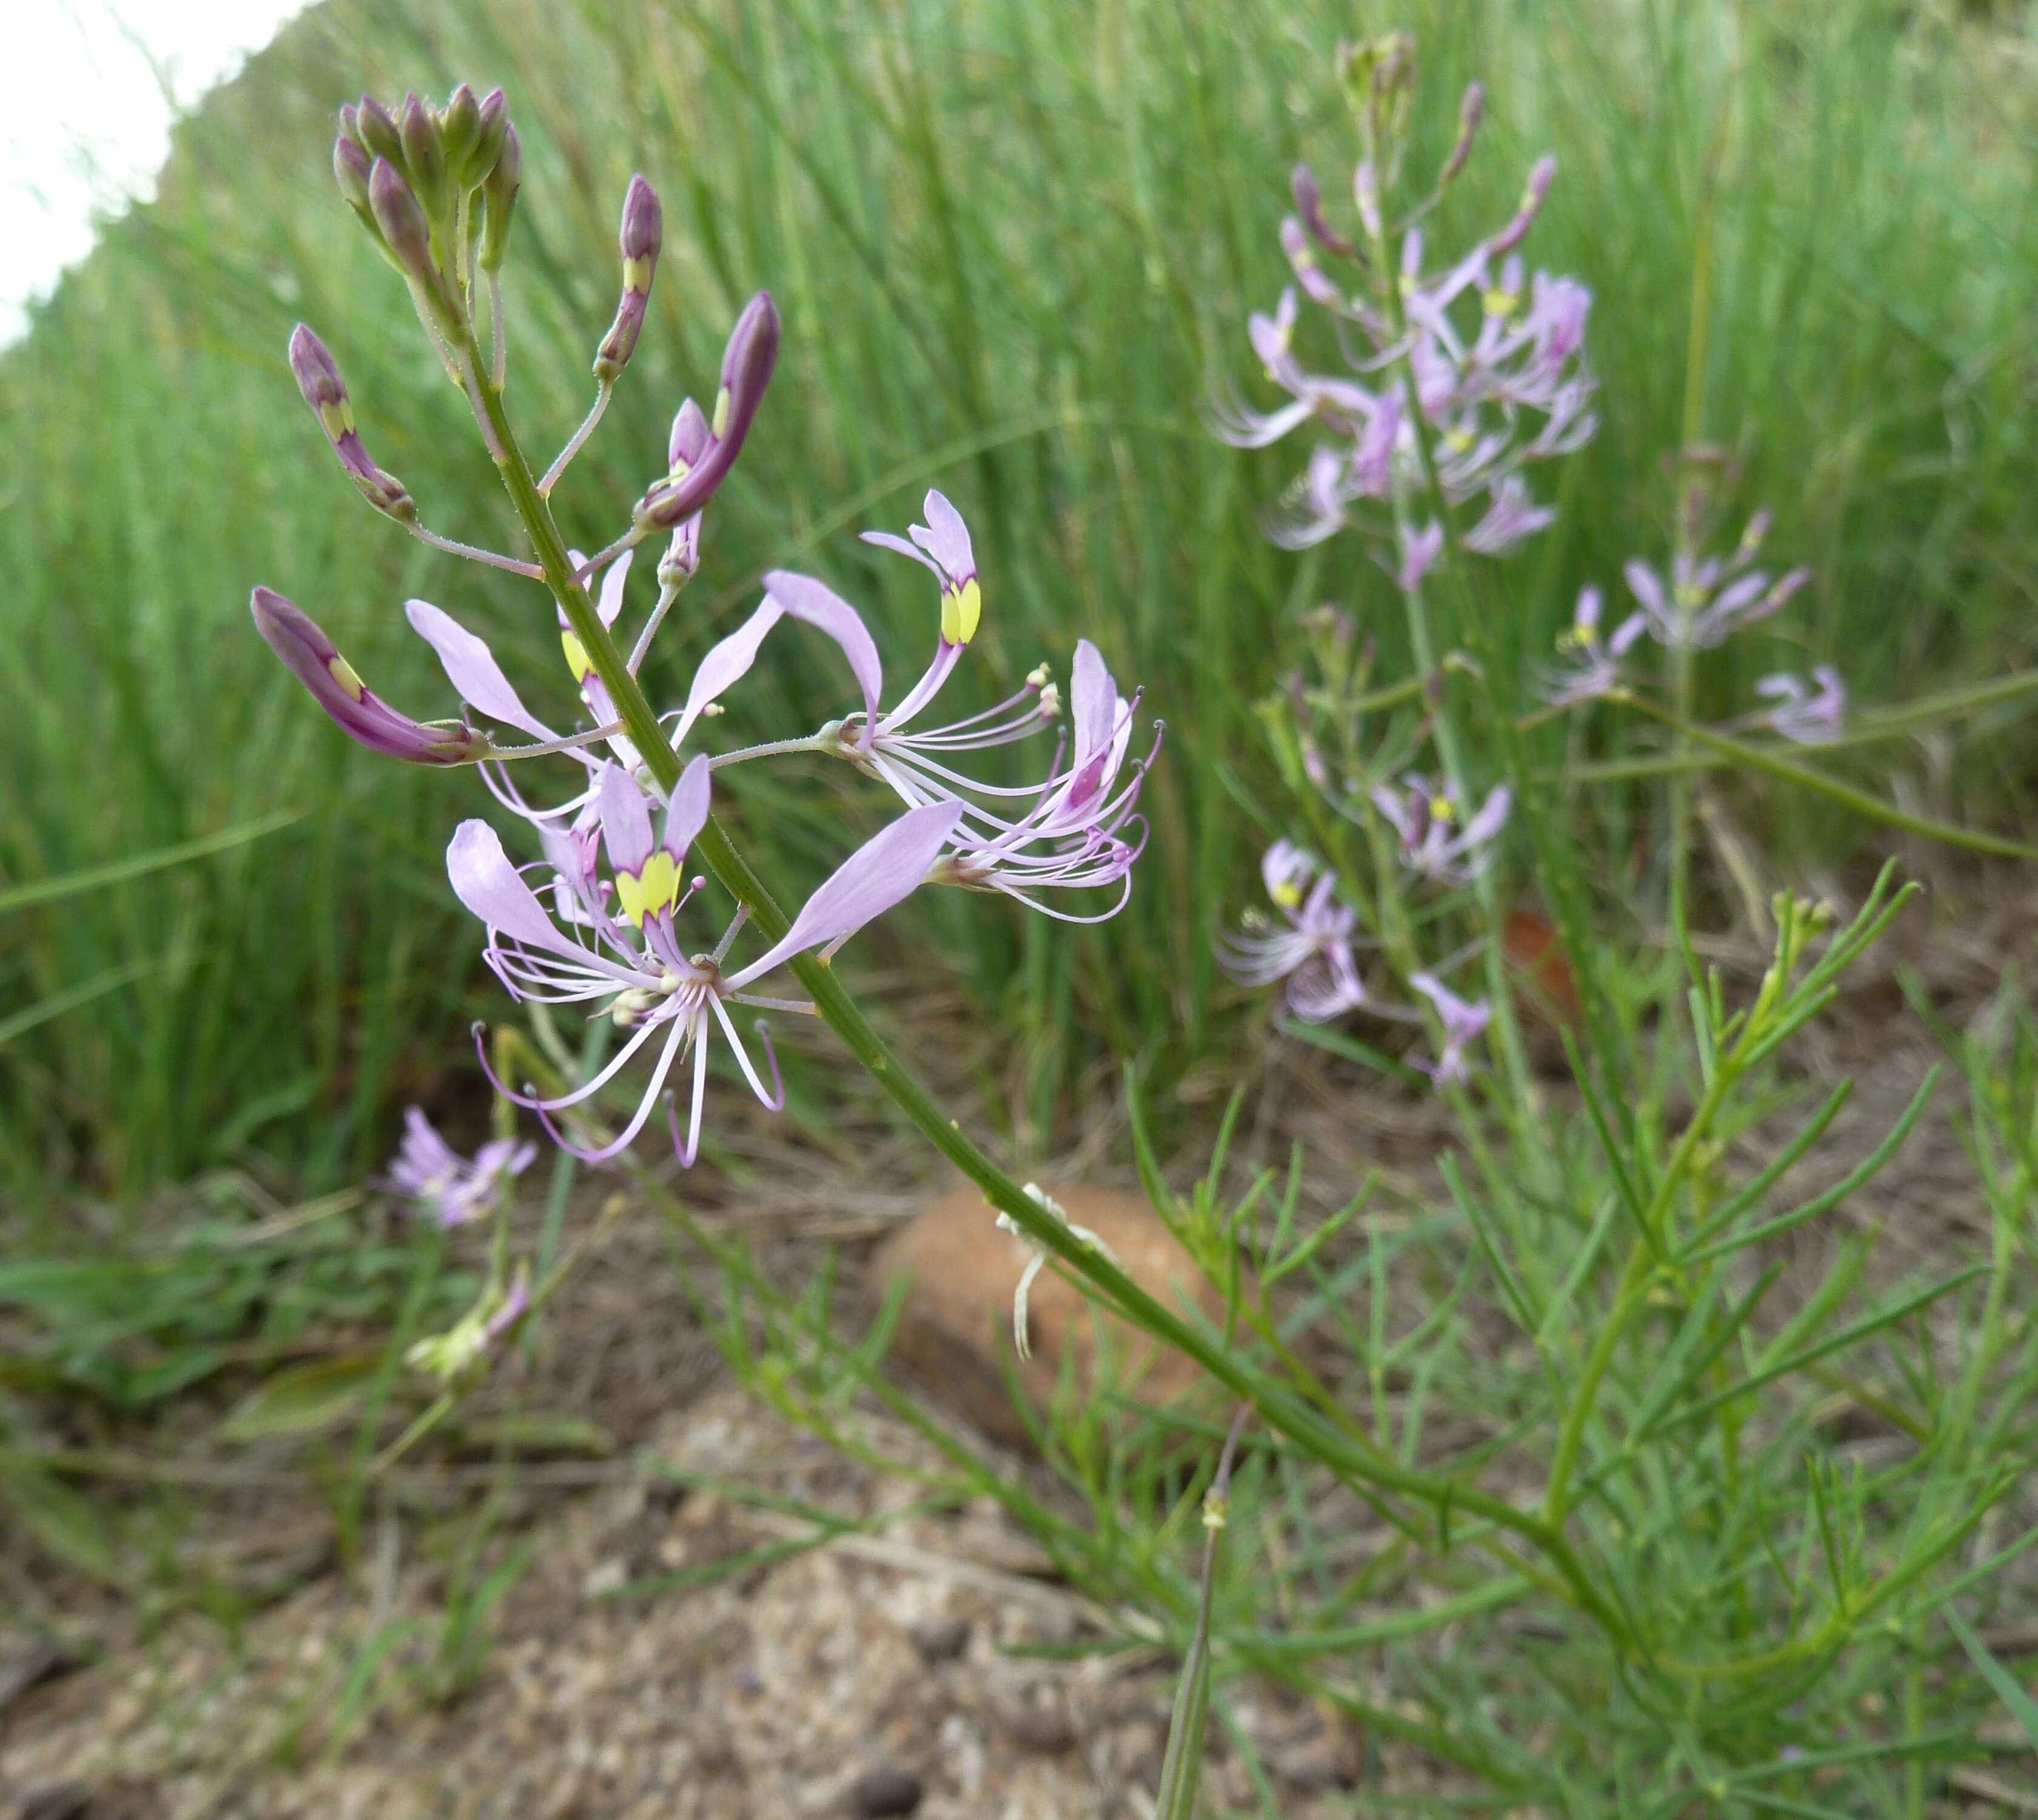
(1309, 205)
(498, 200)
(746, 371)
(325, 392)
(459, 129)
(376, 129)
(1470, 112)
(351, 168)
(1538, 186)
(401, 219)
(642, 233)
(689, 441)
(297, 639)
(494, 121)
(424, 157)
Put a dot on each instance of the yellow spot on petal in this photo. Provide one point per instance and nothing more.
(645, 893)
(961, 609)
(338, 418)
(344, 674)
(577, 658)
(718, 426)
(637, 275)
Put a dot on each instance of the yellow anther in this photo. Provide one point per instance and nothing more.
(1287, 894)
(1442, 809)
(343, 673)
(1499, 302)
(577, 657)
(961, 609)
(1457, 441)
(645, 893)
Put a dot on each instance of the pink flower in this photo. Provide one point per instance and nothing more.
(1313, 952)
(620, 947)
(1463, 1023)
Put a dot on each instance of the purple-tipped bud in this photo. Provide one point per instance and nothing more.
(424, 157)
(325, 392)
(498, 200)
(350, 122)
(376, 128)
(460, 128)
(746, 371)
(400, 218)
(643, 234)
(1511, 235)
(689, 439)
(351, 168)
(1302, 257)
(296, 638)
(1309, 205)
(1470, 112)
(488, 139)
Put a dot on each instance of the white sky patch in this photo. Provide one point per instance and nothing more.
(93, 87)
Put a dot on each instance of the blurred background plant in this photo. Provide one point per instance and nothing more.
(1851, 178)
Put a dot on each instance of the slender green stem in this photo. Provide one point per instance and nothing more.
(1786, 770)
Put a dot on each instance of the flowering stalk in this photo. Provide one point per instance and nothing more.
(1422, 643)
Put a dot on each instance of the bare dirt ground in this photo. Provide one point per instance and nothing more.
(880, 1672)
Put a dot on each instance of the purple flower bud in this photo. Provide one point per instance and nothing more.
(498, 199)
(460, 127)
(1511, 235)
(325, 392)
(642, 233)
(350, 170)
(401, 219)
(689, 439)
(295, 637)
(488, 139)
(1309, 205)
(376, 128)
(1470, 113)
(746, 371)
(424, 157)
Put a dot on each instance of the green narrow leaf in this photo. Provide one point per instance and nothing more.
(2022, 1708)
(303, 1399)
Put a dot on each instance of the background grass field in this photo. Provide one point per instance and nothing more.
(1014, 245)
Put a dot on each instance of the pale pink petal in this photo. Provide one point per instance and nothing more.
(687, 816)
(471, 668)
(884, 871)
(489, 886)
(625, 819)
(725, 665)
(825, 610)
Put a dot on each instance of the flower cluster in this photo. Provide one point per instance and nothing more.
(1478, 362)
(600, 918)
(446, 1188)
(1701, 602)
